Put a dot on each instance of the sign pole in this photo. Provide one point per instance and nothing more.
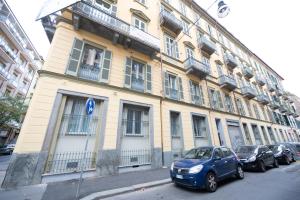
(90, 105)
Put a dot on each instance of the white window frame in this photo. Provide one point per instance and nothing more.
(140, 22)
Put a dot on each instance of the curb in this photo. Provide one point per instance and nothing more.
(110, 193)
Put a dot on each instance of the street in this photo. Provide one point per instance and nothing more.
(4, 161)
(281, 184)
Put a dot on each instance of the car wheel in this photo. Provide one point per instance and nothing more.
(275, 164)
(211, 182)
(287, 160)
(240, 172)
(261, 166)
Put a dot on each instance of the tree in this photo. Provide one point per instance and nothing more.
(11, 110)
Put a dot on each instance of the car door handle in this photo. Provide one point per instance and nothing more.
(225, 161)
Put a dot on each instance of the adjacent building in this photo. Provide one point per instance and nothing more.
(161, 85)
(19, 62)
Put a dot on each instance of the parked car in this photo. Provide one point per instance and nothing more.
(7, 149)
(295, 148)
(204, 167)
(282, 153)
(256, 157)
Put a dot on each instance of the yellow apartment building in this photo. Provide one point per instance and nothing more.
(166, 77)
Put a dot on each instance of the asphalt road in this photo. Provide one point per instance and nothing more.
(276, 184)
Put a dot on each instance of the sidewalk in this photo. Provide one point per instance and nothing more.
(107, 186)
(66, 190)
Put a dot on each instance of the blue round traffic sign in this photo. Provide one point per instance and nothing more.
(90, 106)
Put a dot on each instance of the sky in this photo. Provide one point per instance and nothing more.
(269, 28)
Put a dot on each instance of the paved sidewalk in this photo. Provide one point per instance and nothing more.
(66, 190)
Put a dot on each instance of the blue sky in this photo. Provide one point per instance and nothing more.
(269, 28)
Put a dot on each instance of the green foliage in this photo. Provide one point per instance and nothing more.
(11, 109)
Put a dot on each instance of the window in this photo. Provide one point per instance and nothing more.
(189, 52)
(89, 62)
(215, 99)
(138, 76)
(134, 119)
(264, 112)
(175, 124)
(209, 29)
(185, 25)
(196, 93)
(256, 133)
(173, 86)
(218, 153)
(206, 60)
(139, 23)
(256, 111)
(197, 19)
(183, 8)
(220, 70)
(240, 107)
(200, 126)
(74, 119)
(103, 5)
(247, 134)
(228, 103)
(171, 47)
(249, 108)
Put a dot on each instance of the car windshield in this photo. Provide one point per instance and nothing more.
(199, 153)
(275, 148)
(246, 149)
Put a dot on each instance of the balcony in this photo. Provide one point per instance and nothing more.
(248, 92)
(7, 53)
(283, 108)
(279, 92)
(230, 61)
(169, 21)
(247, 72)
(263, 99)
(92, 19)
(289, 111)
(274, 105)
(196, 68)
(295, 115)
(207, 45)
(260, 80)
(271, 87)
(227, 82)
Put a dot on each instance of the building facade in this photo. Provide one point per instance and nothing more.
(161, 85)
(19, 62)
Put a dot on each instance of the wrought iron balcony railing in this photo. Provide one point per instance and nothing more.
(263, 99)
(230, 61)
(169, 21)
(228, 82)
(196, 67)
(206, 45)
(248, 92)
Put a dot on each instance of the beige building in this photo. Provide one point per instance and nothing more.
(19, 62)
(161, 85)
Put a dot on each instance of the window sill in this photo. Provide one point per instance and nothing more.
(202, 137)
(133, 135)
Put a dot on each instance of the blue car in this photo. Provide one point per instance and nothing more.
(203, 167)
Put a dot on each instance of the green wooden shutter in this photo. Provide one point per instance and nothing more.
(219, 99)
(127, 82)
(167, 85)
(201, 95)
(148, 79)
(106, 66)
(75, 56)
(180, 88)
(191, 91)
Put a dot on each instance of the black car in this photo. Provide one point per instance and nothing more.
(282, 153)
(294, 147)
(256, 157)
(7, 149)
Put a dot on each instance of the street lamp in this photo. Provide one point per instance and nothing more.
(223, 9)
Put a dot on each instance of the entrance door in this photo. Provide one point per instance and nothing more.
(235, 134)
(220, 132)
(176, 135)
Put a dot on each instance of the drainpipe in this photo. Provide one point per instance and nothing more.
(160, 108)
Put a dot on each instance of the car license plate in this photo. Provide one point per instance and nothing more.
(179, 176)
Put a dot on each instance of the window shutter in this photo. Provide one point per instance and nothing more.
(127, 82)
(106, 66)
(114, 10)
(176, 50)
(167, 85)
(180, 88)
(191, 91)
(201, 95)
(148, 79)
(75, 55)
(219, 99)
